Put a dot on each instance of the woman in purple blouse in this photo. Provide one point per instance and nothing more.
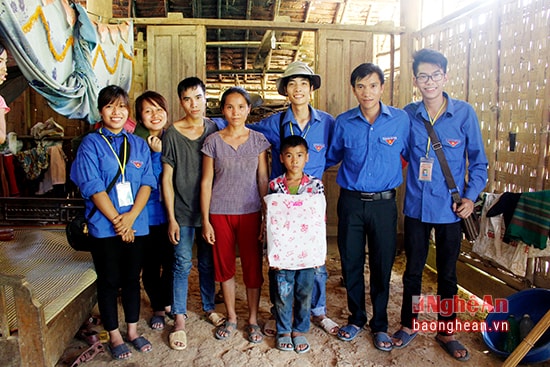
(234, 181)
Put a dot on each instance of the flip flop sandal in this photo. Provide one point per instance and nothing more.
(270, 328)
(300, 340)
(452, 346)
(89, 354)
(328, 325)
(157, 319)
(405, 338)
(254, 334)
(178, 340)
(350, 329)
(285, 343)
(119, 351)
(141, 344)
(381, 338)
(223, 332)
(217, 319)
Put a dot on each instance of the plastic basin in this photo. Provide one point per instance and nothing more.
(535, 302)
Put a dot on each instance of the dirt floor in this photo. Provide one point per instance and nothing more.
(205, 350)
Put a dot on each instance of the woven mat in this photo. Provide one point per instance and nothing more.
(56, 272)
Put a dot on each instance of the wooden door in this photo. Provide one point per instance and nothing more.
(339, 53)
(173, 54)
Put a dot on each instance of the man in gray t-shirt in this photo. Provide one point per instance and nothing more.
(181, 177)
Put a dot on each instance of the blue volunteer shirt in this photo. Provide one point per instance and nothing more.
(95, 166)
(370, 154)
(317, 133)
(155, 205)
(460, 135)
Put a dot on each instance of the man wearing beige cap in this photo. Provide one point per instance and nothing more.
(298, 83)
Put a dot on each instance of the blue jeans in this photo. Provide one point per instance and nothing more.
(183, 254)
(448, 238)
(319, 292)
(293, 298)
(318, 295)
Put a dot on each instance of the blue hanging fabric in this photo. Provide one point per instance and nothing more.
(64, 55)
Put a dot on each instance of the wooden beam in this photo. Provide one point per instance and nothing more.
(256, 71)
(301, 33)
(260, 24)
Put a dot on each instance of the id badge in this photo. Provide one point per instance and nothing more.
(426, 167)
(124, 193)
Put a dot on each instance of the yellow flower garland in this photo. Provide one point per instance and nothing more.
(111, 70)
(26, 28)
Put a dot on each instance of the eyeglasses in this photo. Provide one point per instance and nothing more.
(436, 77)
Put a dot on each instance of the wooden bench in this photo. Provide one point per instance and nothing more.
(47, 290)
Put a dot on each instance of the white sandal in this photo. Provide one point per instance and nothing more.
(328, 325)
(270, 328)
(217, 319)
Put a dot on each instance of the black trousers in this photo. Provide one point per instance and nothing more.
(158, 263)
(375, 222)
(118, 266)
(448, 238)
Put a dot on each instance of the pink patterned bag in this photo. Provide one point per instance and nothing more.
(296, 230)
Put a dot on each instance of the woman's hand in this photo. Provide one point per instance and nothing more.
(128, 237)
(123, 223)
(208, 233)
(154, 143)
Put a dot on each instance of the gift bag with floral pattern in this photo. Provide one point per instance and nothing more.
(296, 230)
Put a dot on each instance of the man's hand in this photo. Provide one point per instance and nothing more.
(465, 209)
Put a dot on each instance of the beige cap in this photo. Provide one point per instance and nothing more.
(298, 68)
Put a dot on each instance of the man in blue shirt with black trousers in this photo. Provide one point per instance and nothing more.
(428, 202)
(369, 141)
(297, 83)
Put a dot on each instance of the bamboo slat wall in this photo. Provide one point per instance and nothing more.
(498, 62)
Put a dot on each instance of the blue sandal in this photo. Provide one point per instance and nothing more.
(300, 340)
(405, 338)
(284, 343)
(351, 330)
(141, 344)
(379, 339)
(119, 351)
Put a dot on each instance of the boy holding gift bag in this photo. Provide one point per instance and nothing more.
(295, 226)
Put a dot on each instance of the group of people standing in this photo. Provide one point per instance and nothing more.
(200, 181)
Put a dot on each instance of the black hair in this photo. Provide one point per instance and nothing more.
(1, 48)
(238, 90)
(364, 70)
(110, 94)
(429, 56)
(190, 83)
(152, 97)
(293, 141)
(284, 81)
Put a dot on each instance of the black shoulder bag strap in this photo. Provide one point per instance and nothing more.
(281, 129)
(114, 180)
(438, 149)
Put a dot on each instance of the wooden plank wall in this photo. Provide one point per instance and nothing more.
(498, 62)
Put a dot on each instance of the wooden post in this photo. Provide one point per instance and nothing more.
(410, 19)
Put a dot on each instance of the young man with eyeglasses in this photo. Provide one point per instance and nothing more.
(428, 202)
